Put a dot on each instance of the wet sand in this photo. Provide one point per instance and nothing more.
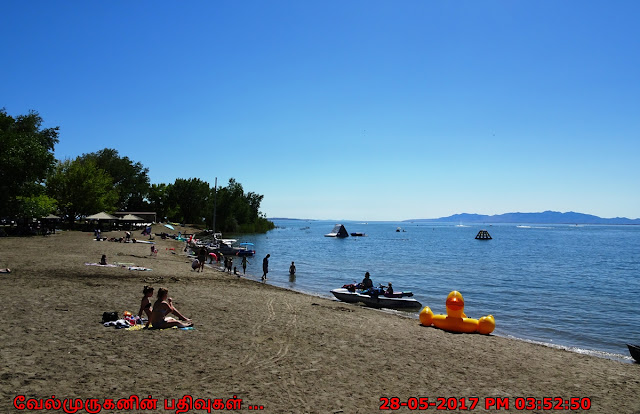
(285, 351)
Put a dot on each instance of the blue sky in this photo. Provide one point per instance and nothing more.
(364, 110)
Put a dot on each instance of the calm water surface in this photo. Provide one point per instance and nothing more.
(564, 285)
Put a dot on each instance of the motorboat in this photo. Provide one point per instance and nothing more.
(246, 249)
(358, 234)
(376, 297)
(224, 246)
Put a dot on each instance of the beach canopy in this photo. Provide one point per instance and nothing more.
(101, 216)
(51, 217)
(131, 217)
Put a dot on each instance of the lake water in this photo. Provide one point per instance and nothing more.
(574, 287)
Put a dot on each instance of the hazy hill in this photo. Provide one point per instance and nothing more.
(546, 217)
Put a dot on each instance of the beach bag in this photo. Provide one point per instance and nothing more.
(109, 316)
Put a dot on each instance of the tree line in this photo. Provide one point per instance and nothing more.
(33, 184)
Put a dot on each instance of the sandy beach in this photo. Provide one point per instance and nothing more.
(285, 351)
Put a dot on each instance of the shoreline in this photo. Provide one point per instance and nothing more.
(266, 344)
(414, 316)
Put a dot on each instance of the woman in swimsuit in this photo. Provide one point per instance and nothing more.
(145, 304)
(164, 306)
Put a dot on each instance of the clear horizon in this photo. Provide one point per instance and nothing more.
(362, 110)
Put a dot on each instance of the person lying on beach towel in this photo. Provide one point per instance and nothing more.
(163, 307)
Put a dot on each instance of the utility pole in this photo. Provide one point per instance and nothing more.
(215, 204)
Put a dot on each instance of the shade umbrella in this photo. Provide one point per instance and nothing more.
(169, 226)
(131, 217)
(101, 216)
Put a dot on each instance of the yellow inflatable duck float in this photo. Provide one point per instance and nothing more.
(455, 320)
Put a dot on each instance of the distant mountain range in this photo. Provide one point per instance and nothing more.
(546, 217)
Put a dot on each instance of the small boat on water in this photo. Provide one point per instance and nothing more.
(358, 234)
(246, 249)
(634, 350)
(376, 298)
(338, 231)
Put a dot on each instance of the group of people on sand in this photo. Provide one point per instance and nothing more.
(157, 314)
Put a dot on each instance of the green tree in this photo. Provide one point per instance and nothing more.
(26, 158)
(81, 188)
(37, 206)
(239, 212)
(158, 201)
(130, 179)
(188, 200)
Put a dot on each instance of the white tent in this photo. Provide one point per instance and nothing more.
(131, 217)
(101, 216)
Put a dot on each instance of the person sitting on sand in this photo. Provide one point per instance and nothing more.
(163, 307)
(195, 264)
(145, 304)
(103, 260)
(367, 283)
(292, 269)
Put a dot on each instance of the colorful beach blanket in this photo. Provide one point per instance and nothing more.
(141, 328)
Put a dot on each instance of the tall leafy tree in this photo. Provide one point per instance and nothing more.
(158, 200)
(188, 199)
(130, 179)
(37, 206)
(239, 211)
(26, 158)
(81, 188)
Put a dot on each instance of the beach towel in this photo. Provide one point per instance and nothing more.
(141, 328)
(138, 268)
(119, 324)
(98, 264)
